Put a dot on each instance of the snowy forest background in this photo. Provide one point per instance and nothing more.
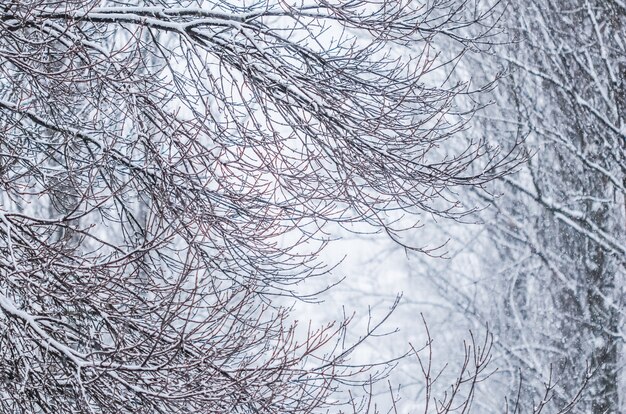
(192, 192)
(544, 267)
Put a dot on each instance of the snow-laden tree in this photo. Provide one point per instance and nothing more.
(547, 271)
(167, 169)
